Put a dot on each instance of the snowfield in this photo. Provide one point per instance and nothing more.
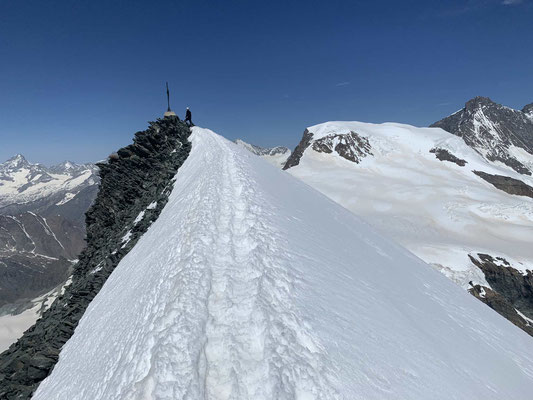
(252, 285)
(437, 209)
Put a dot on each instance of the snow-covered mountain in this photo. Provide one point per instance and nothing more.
(496, 132)
(276, 156)
(252, 285)
(42, 230)
(437, 196)
(24, 184)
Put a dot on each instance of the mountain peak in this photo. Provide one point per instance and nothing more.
(16, 161)
(528, 109)
(492, 129)
(477, 102)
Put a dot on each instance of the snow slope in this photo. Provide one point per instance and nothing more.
(437, 209)
(252, 285)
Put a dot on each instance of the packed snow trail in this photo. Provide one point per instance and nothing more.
(251, 285)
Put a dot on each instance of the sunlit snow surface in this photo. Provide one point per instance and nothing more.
(437, 209)
(252, 285)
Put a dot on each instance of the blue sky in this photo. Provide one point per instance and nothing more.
(78, 78)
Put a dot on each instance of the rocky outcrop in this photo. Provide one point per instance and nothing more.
(492, 129)
(134, 188)
(502, 306)
(445, 155)
(298, 152)
(350, 146)
(507, 184)
(513, 285)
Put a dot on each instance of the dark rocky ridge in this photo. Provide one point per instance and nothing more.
(515, 288)
(501, 305)
(491, 129)
(351, 146)
(138, 176)
(298, 152)
(507, 184)
(445, 155)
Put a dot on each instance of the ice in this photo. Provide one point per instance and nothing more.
(252, 285)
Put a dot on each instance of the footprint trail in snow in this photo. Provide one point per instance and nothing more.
(251, 285)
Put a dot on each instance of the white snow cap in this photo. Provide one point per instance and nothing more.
(252, 285)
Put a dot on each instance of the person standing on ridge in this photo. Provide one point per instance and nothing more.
(188, 117)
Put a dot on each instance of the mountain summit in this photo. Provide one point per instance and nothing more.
(496, 132)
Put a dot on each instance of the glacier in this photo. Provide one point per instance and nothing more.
(440, 211)
(252, 285)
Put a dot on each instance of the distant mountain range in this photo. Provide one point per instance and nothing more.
(42, 227)
(274, 155)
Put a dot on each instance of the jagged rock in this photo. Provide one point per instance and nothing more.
(501, 305)
(516, 287)
(298, 152)
(507, 184)
(350, 146)
(445, 155)
(492, 129)
(139, 179)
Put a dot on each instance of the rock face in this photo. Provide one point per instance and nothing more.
(42, 225)
(350, 146)
(496, 132)
(135, 185)
(513, 288)
(298, 152)
(507, 184)
(502, 306)
(276, 156)
(445, 155)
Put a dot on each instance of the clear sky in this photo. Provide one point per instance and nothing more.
(78, 78)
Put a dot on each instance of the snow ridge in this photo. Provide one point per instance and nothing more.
(237, 301)
(251, 285)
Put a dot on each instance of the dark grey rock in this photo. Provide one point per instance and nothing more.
(507, 184)
(350, 146)
(515, 287)
(294, 158)
(142, 174)
(501, 305)
(445, 155)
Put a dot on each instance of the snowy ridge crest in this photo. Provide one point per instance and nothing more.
(239, 292)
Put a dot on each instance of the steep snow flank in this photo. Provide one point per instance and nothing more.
(437, 209)
(251, 285)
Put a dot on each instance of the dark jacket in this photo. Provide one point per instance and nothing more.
(188, 115)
